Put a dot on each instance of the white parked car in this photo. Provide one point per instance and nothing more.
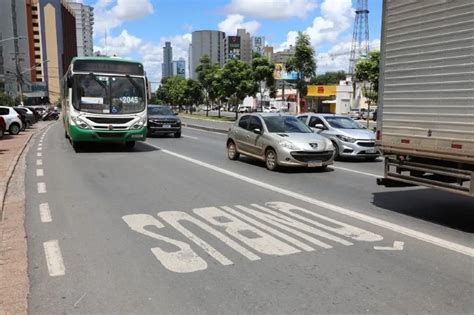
(12, 120)
(245, 109)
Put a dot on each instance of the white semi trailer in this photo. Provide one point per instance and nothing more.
(425, 125)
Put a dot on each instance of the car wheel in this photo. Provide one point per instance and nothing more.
(271, 160)
(130, 145)
(14, 129)
(177, 134)
(336, 151)
(1, 133)
(232, 153)
(28, 125)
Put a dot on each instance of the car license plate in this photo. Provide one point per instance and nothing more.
(370, 151)
(315, 163)
(166, 126)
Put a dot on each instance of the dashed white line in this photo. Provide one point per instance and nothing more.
(45, 213)
(39, 154)
(468, 251)
(354, 171)
(41, 188)
(39, 149)
(39, 172)
(54, 259)
(39, 162)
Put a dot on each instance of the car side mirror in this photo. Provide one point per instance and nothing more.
(257, 131)
(320, 126)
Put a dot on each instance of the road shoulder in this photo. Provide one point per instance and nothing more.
(14, 283)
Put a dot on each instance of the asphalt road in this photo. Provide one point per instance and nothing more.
(175, 227)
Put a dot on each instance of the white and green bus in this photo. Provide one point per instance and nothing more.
(105, 100)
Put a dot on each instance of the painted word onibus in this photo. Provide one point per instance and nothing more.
(105, 100)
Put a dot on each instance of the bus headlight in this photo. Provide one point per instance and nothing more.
(139, 124)
(80, 123)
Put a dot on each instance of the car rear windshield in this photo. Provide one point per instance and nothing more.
(343, 123)
(285, 124)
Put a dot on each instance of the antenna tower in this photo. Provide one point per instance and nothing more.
(360, 37)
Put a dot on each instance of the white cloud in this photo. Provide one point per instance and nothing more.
(337, 57)
(235, 21)
(110, 14)
(121, 45)
(272, 9)
(336, 18)
(152, 54)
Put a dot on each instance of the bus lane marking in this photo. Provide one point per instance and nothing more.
(424, 237)
(255, 227)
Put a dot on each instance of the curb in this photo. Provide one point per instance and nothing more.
(4, 184)
(223, 131)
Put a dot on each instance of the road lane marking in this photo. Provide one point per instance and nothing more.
(39, 172)
(468, 251)
(354, 171)
(258, 232)
(41, 188)
(173, 218)
(40, 149)
(54, 259)
(39, 162)
(190, 137)
(183, 260)
(39, 154)
(45, 213)
(397, 245)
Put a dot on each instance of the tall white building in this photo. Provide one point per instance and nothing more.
(245, 45)
(84, 28)
(167, 65)
(211, 43)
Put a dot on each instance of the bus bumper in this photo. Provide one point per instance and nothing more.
(87, 135)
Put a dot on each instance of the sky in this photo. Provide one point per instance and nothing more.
(137, 29)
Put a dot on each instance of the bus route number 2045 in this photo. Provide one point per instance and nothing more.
(129, 99)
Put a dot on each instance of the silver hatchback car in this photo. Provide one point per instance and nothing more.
(350, 138)
(279, 140)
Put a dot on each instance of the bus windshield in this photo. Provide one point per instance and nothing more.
(109, 94)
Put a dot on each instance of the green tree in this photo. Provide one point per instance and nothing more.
(6, 99)
(193, 93)
(303, 62)
(263, 74)
(237, 82)
(205, 73)
(175, 88)
(329, 78)
(367, 70)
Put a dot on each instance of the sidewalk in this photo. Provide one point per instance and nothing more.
(14, 283)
